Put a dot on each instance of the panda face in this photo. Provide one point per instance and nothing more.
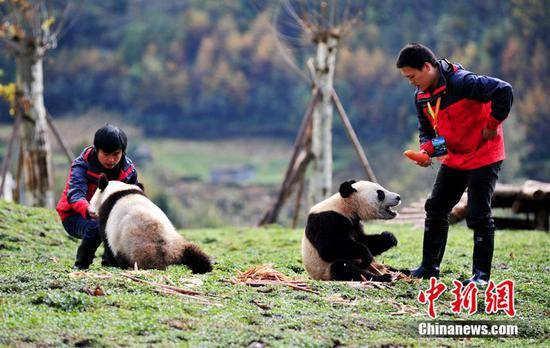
(372, 201)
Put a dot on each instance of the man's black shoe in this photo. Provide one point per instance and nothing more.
(425, 272)
(85, 253)
(480, 279)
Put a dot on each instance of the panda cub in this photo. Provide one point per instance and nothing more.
(334, 245)
(135, 231)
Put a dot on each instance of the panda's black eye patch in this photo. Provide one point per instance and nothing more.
(381, 195)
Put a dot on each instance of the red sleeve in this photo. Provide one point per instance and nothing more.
(428, 147)
(81, 207)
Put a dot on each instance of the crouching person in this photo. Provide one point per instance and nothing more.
(106, 155)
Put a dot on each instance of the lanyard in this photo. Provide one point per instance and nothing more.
(435, 113)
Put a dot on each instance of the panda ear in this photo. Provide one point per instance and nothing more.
(102, 182)
(140, 185)
(346, 189)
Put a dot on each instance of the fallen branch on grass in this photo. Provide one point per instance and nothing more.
(195, 298)
(164, 286)
(401, 308)
(80, 274)
(262, 272)
(295, 285)
(337, 298)
(267, 275)
(380, 269)
(173, 290)
(367, 283)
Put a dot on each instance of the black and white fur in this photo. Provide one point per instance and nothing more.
(334, 245)
(135, 231)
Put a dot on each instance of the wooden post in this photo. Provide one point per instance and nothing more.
(353, 137)
(298, 202)
(297, 173)
(37, 163)
(541, 219)
(320, 183)
(9, 151)
(18, 189)
(298, 162)
(68, 153)
(318, 148)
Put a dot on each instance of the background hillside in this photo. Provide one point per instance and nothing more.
(211, 70)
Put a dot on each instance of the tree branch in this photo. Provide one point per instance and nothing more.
(294, 15)
(12, 45)
(284, 54)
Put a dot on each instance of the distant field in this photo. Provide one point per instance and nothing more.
(180, 158)
(43, 304)
(183, 158)
(177, 159)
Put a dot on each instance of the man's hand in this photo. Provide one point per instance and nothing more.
(489, 133)
(421, 157)
(92, 214)
(426, 163)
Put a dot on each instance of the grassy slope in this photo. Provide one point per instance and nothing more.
(41, 304)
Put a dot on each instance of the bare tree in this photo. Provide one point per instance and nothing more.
(324, 24)
(27, 31)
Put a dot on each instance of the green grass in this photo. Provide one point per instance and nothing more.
(41, 304)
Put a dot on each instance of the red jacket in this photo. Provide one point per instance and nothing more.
(469, 102)
(82, 182)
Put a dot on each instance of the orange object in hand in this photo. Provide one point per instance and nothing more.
(417, 156)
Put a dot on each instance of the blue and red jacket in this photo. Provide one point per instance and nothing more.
(82, 181)
(469, 102)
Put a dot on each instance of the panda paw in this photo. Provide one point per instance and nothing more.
(389, 238)
(386, 278)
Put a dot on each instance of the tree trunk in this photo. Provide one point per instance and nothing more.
(320, 185)
(37, 166)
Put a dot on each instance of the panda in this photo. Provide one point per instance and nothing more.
(334, 245)
(135, 231)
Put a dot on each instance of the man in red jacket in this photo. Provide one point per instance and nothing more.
(107, 155)
(459, 116)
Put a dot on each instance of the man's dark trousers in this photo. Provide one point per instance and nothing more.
(88, 231)
(447, 191)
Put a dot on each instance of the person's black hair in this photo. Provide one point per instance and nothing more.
(415, 55)
(110, 138)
